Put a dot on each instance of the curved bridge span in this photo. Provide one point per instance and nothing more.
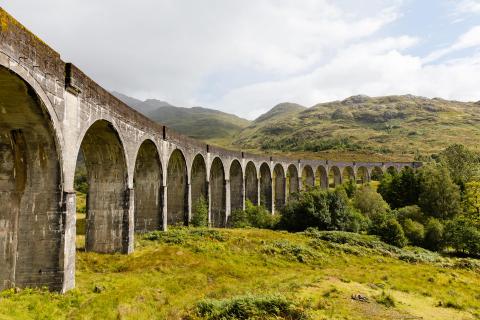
(142, 176)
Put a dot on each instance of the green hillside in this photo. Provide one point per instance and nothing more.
(361, 128)
(258, 274)
(200, 123)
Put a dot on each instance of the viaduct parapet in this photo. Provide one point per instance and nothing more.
(142, 176)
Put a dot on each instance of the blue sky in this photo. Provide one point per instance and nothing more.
(244, 57)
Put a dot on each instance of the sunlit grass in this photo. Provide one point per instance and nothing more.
(169, 274)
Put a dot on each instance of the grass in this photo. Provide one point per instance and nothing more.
(221, 274)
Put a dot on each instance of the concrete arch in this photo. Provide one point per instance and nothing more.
(334, 177)
(279, 182)
(105, 161)
(31, 186)
(266, 186)
(147, 183)
(251, 183)
(322, 177)
(308, 177)
(177, 192)
(217, 194)
(292, 180)
(236, 186)
(362, 175)
(198, 181)
(348, 174)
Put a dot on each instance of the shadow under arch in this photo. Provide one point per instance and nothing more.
(308, 177)
(322, 177)
(292, 180)
(198, 181)
(334, 177)
(265, 187)
(279, 183)
(177, 192)
(147, 184)
(30, 168)
(251, 183)
(217, 194)
(236, 186)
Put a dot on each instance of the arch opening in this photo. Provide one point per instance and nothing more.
(251, 183)
(279, 182)
(362, 176)
(198, 181)
(322, 177)
(177, 192)
(308, 177)
(348, 175)
(236, 186)
(392, 170)
(334, 177)
(103, 156)
(218, 195)
(265, 187)
(147, 184)
(30, 188)
(292, 180)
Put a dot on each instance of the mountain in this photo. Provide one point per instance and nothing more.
(205, 124)
(364, 128)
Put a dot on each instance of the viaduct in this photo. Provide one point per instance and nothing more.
(142, 176)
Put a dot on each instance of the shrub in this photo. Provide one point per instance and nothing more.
(414, 231)
(392, 233)
(250, 307)
(200, 213)
(252, 216)
(322, 209)
(410, 212)
(463, 236)
(350, 187)
(433, 235)
(385, 299)
(369, 202)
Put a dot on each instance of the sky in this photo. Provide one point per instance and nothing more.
(245, 56)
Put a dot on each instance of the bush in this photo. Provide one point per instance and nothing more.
(322, 209)
(200, 213)
(252, 216)
(250, 307)
(414, 231)
(463, 236)
(410, 212)
(369, 202)
(392, 233)
(433, 235)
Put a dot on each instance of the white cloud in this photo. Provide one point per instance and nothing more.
(376, 68)
(469, 39)
(467, 6)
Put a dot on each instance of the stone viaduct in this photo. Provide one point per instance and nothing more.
(142, 176)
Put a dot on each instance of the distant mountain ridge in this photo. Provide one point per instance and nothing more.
(200, 123)
(359, 128)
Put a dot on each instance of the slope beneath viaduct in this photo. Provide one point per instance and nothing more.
(142, 176)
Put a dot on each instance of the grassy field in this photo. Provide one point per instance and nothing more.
(171, 274)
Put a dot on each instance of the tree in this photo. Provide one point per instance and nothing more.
(392, 233)
(462, 163)
(414, 231)
(434, 238)
(472, 202)
(410, 212)
(369, 202)
(463, 236)
(400, 190)
(200, 213)
(439, 196)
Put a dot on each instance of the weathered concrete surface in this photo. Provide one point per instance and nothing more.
(142, 175)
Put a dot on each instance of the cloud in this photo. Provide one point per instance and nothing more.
(467, 6)
(469, 39)
(373, 68)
